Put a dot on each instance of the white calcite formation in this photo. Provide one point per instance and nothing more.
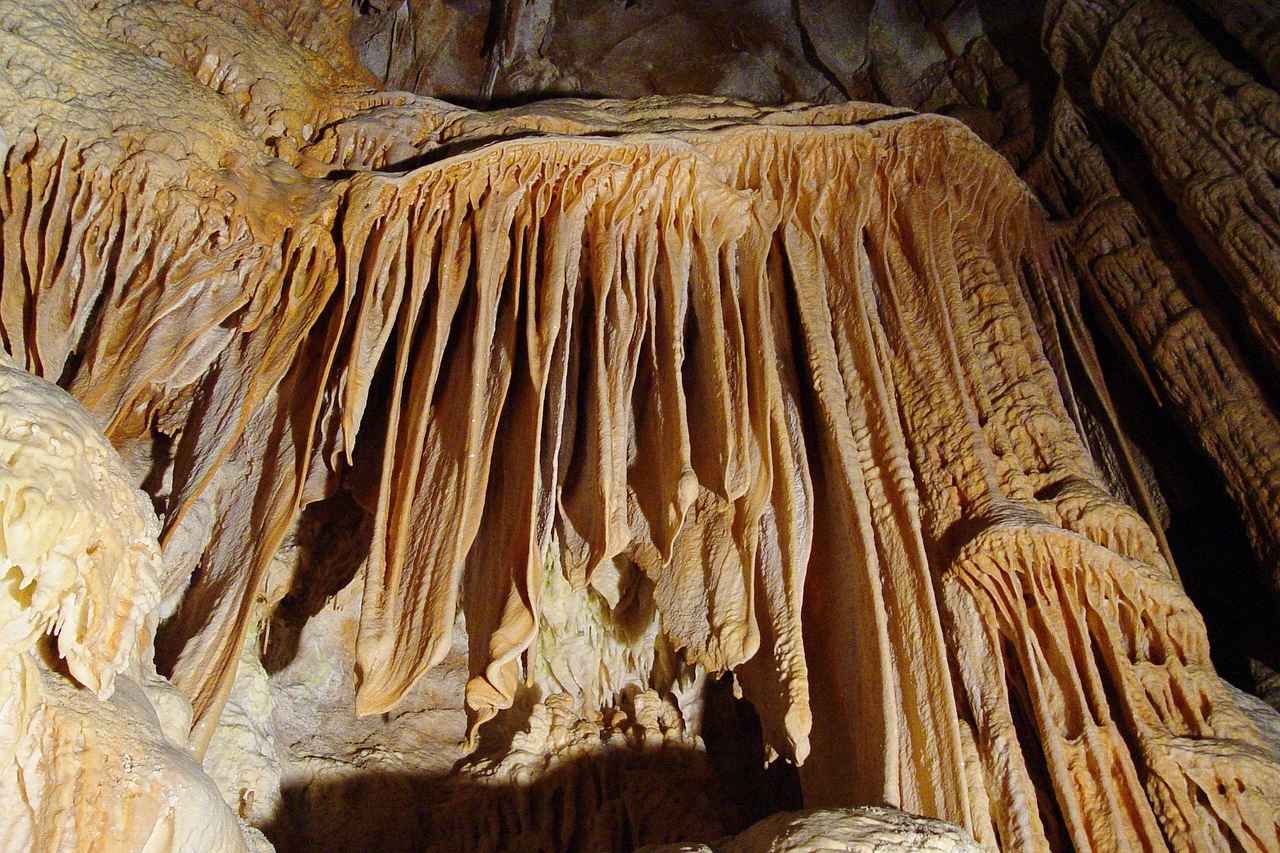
(868, 829)
(92, 741)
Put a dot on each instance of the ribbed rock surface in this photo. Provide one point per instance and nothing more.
(620, 395)
(93, 743)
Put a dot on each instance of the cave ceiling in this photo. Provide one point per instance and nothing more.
(592, 424)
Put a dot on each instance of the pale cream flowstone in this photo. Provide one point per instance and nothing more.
(862, 830)
(243, 758)
(1264, 718)
(93, 750)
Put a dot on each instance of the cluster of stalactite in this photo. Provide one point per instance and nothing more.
(802, 368)
(1196, 335)
(1209, 131)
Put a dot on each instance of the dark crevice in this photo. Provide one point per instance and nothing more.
(333, 537)
(1206, 534)
(1028, 737)
(1223, 42)
(734, 738)
(811, 52)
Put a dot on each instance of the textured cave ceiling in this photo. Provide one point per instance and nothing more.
(589, 424)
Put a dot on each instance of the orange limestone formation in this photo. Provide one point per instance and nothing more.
(1107, 246)
(782, 370)
(1255, 24)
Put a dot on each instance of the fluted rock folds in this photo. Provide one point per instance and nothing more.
(783, 363)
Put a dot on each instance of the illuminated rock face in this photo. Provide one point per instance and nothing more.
(868, 829)
(523, 426)
(94, 742)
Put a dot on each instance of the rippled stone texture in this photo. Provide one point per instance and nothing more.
(633, 393)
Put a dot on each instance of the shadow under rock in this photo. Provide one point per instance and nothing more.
(613, 800)
(608, 802)
(333, 537)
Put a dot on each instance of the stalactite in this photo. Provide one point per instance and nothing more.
(1255, 24)
(802, 374)
(1209, 130)
(1112, 254)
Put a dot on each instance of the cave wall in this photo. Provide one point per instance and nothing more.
(485, 442)
(1171, 286)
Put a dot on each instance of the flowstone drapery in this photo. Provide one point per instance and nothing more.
(783, 384)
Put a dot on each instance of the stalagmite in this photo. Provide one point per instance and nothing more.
(92, 741)
(630, 400)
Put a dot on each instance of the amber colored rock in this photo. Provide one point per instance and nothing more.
(1209, 131)
(1112, 254)
(1255, 24)
(627, 395)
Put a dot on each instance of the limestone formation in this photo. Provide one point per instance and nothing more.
(1255, 24)
(1209, 129)
(1109, 248)
(93, 748)
(868, 829)
(558, 430)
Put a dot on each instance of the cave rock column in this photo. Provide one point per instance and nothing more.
(1210, 131)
